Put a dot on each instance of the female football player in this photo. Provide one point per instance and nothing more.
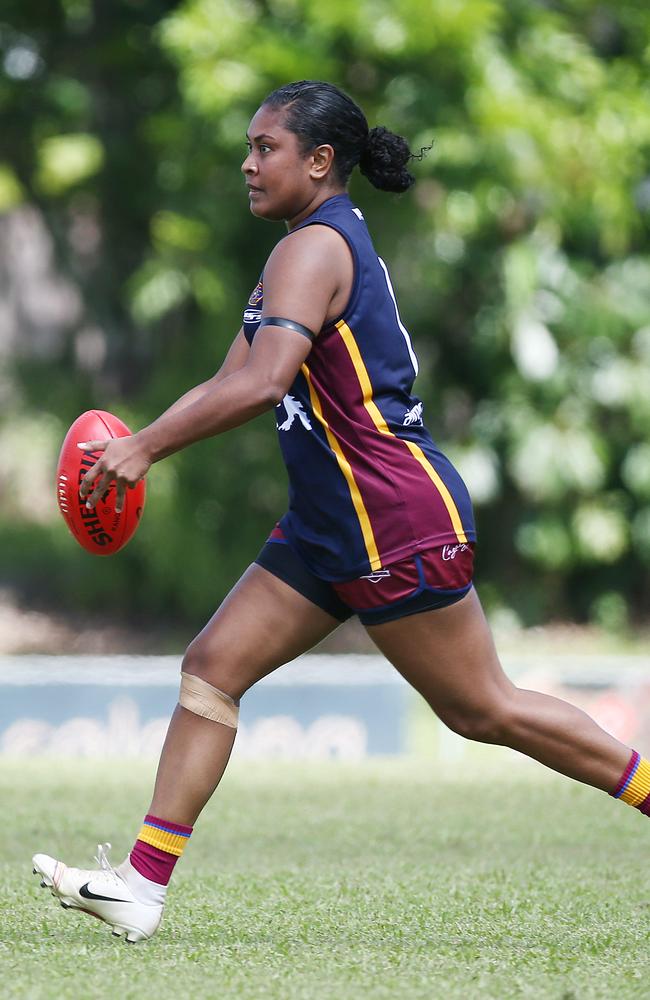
(379, 522)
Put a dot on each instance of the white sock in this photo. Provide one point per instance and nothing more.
(144, 890)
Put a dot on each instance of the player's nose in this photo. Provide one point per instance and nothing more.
(249, 166)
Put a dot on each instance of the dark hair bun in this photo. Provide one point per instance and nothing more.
(384, 160)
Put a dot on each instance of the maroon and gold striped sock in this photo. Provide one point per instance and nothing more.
(634, 786)
(158, 848)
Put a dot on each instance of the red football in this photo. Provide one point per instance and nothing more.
(101, 531)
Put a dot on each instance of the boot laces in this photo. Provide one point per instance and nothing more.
(104, 864)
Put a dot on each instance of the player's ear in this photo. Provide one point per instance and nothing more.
(322, 161)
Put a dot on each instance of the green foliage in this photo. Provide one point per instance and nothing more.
(520, 260)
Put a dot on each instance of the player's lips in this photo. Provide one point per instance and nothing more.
(253, 190)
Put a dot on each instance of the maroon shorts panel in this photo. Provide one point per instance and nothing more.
(447, 569)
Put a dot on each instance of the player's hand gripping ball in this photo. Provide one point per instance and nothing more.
(104, 528)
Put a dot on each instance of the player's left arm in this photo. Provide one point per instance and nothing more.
(301, 278)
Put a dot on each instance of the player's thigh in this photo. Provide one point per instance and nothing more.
(448, 655)
(261, 624)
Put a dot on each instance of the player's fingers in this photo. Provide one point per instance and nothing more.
(86, 483)
(100, 488)
(92, 445)
(119, 497)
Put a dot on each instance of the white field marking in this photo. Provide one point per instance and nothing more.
(414, 360)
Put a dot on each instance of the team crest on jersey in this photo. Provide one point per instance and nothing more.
(252, 315)
(257, 294)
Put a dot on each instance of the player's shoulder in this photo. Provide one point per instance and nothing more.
(307, 249)
(318, 238)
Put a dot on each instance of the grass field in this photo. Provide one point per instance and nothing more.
(315, 882)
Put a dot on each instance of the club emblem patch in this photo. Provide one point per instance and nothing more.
(257, 294)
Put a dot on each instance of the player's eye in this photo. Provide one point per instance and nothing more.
(264, 148)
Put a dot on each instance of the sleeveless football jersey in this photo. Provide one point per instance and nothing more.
(367, 485)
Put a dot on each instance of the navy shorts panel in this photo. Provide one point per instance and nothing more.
(280, 559)
(412, 588)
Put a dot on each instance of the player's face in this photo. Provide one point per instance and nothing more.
(281, 180)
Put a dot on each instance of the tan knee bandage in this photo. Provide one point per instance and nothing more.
(201, 698)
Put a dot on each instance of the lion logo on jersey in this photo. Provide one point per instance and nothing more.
(257, 294)
(294, 408)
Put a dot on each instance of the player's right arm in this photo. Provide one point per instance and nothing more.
(235, 359)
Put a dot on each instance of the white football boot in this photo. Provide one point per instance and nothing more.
(102, 893)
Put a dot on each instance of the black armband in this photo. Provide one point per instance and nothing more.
(289, 324)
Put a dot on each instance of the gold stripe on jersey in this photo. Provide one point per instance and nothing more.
(377, 418)
(346, 469)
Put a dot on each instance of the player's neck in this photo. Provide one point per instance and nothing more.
(315, 203)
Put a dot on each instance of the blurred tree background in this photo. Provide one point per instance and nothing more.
(520, 259)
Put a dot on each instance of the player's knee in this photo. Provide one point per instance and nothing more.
(203, 693)
(212, 663)
(196, 660)
(492, 722)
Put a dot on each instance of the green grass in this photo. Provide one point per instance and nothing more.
(313, 882)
